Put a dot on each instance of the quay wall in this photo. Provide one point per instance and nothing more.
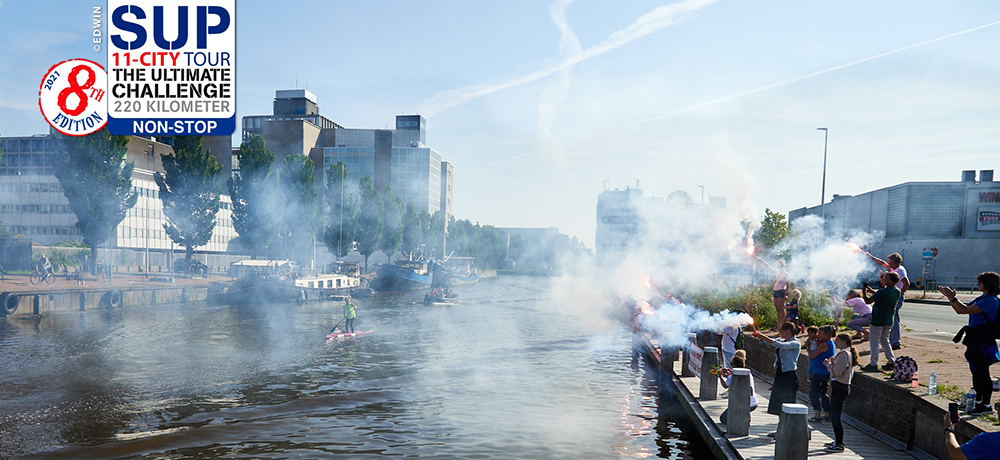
(85, 299)
(890, 408)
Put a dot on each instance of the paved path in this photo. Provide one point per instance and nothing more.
(759, 446)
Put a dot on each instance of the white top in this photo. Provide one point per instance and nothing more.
(753, 390)
(859, 306)
(902, 276)
(729, 339)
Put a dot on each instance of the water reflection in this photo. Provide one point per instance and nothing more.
(500, 375)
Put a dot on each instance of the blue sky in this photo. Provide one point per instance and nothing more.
(538, 103)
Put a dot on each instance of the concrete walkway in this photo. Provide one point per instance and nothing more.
(758, 445)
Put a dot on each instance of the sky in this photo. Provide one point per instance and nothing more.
(541, 105)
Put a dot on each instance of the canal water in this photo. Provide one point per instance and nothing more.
(511, 372)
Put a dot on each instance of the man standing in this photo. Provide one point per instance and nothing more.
(895, 265)
(882, 302)
(349, 314)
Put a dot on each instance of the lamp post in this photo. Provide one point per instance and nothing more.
(822, 198)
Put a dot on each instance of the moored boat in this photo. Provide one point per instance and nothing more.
(277, 281)
(404, 275)
(455, 271)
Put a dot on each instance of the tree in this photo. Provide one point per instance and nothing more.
(392, 223)
(97, 183)
(253, 191)
(300, 214)
(773, 230)
(370, 215)
(189, 191)
(342, 211)
(410, 238)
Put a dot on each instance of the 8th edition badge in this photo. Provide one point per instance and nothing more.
(71, 97)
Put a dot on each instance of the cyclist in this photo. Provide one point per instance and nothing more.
(46, 265)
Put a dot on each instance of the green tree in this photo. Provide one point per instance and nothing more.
(190, 193)
(392, 223)
(370, 216)
(342, 211)
(254, 193)
(300, 213)
(97, 182)
(773, 230)
(410, 238)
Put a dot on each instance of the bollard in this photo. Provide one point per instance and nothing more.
(738, 421)
(709, 381)
(667, 358)
(791, 442)
(686, 362)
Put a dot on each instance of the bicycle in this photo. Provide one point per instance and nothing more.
(39, 276)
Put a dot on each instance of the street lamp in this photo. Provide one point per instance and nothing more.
(822, 198)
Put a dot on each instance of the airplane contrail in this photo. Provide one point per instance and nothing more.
(658, 18)
(755, 90)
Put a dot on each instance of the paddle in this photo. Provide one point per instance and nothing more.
(338, 324)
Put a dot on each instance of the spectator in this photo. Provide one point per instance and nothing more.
(862, 313)
(780, 291)
(812, 341)
(982, 447)
(883, 304)
(980, 344)
(729, 335)
(726, 376)
(819, 375)
(792, 308)
(786, 384)
(841, 367)
(895, 265)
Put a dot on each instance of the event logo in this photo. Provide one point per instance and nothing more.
(72, 97)
(172, 67)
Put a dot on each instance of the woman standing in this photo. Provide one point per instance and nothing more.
(841, 367)
(819, 375)
(980, 345)
(786, 384)
(780, 292)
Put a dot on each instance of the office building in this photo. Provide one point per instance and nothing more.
(394, 158)
(32, 202)
(629, 223)
(961, 220)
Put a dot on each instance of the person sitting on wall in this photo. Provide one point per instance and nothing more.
(792, 308)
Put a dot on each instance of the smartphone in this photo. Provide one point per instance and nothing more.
(953, 412)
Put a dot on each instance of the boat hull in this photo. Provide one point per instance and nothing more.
(395, 278)
(446, 277)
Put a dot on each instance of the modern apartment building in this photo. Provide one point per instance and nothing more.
(32, 202)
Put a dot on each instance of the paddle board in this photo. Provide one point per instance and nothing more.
(347, 335)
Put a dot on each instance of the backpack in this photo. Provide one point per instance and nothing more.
(903, 369)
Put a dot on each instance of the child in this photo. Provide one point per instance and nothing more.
(792, 308)
(726, 377)
(812, 342)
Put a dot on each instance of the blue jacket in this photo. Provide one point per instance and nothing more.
(789, 353)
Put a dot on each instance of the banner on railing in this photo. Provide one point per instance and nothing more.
(696, 354)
